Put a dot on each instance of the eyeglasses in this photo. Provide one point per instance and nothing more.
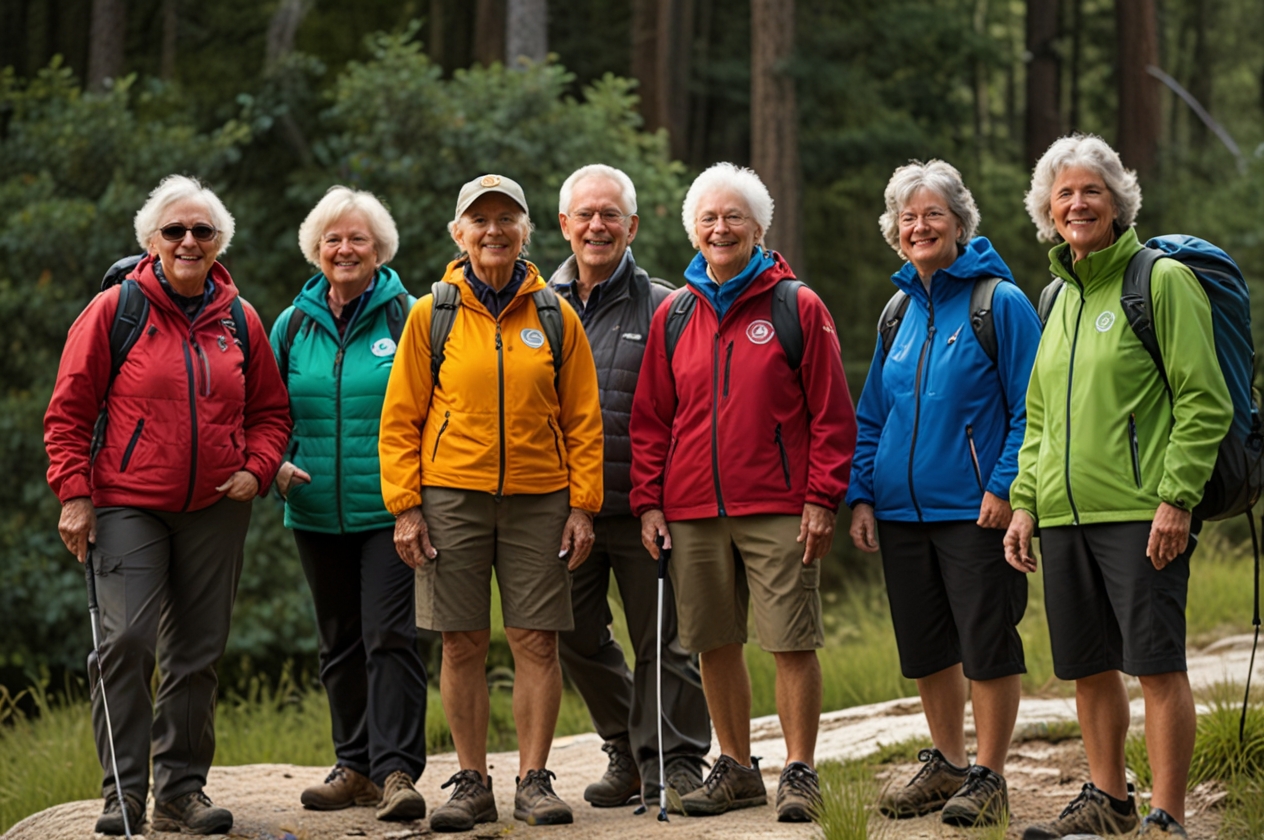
(175, 233)
(733, 220)
(610, 217)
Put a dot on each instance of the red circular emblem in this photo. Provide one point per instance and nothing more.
(759, 332)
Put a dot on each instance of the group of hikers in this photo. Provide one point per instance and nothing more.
(557, 432)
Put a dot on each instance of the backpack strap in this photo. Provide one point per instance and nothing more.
(129, 323)
(682, 307)
(550, 314)
(447, 298)
(785, 320)
(890, 319)
(981, 314)
(1138, 305)
(397, 315)
(1048, 297)
(297, 318)
(243, 331)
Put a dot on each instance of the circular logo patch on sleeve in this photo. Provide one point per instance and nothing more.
(532, 338)
(1105, 321)
(382, 347)
(760, 332)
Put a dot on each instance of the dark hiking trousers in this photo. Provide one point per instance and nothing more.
(165, 584)
(623, 704)
(375, 680)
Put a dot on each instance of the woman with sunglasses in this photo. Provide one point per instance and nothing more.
(155, 466)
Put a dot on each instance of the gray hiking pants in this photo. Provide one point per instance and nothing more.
(623, 704)
(166, 584)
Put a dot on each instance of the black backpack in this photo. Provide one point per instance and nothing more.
(396, 315)
(785, 319)
(980, 316)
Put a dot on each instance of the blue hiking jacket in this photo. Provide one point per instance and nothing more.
(939, 422)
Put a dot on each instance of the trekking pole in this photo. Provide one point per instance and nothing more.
(1246, 697)
(664, 555)
(94, 667)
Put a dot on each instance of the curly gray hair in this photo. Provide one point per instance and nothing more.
(1089, 152)
(176, 188)
(738, 179)
(939, 177)
(338, 202)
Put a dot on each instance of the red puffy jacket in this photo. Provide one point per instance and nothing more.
(728, 429)
(183, 415)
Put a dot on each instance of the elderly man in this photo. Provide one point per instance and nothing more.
(616, 299)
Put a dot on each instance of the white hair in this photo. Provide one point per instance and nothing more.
(939, 177)
(1089, 152)
(176, 188)
(337, 203)
(627, 191)
(738, 179)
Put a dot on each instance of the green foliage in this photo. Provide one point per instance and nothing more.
(848, 791)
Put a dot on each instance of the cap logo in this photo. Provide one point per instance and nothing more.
(760, 332)
(490, 181)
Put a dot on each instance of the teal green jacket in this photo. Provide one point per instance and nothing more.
(1105, 442)
(336, 391)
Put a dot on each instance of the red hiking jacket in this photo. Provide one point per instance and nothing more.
(184, 416)
(728, 429)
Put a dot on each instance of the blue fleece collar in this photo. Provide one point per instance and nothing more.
(722, 295)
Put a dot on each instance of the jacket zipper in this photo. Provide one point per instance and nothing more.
(131, 444)
(728, 359)
(193, 448)
(500, 385)
(1075, 340)
(1132, 444)
(338, 430)
(557, 444)
(785, 459)
(715, 420)
(974, 456)
(206, 367)
(439, 436)
(917, 401)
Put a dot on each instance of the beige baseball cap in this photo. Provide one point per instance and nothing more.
(485, 184)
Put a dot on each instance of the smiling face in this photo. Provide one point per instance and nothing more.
(492, 231)
(348, 254)
(1083, 211)
(929, 232)
(186, 262)
(598, 243)
(726, 232)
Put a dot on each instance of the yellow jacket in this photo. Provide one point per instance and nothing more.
(490, 402)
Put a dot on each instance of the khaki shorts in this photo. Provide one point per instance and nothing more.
(720, 564)
(519, 536)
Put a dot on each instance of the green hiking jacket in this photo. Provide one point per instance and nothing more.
(336, 392)
(1105, 442)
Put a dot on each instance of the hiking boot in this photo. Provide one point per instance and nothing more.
(622, 780)
(471, 802)
(1159, 822)
(342, 788)
(1088, 813)
(729, 786)
(684, 776)
(111, 819)
(535, 803)
(928, 791)
(798, 793)
(982, 800)
(192, 813)
(400, 800)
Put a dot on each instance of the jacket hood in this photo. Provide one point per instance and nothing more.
(978, 259)
(225, 289)
(455, 274)
(1099, 266)
(314, 296)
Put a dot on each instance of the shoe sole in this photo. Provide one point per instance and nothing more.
(446, 824)
(599, 802)
(177, 827)
(706, 811)
(407, 808)
(910, 813)
(359, 802)
(796, 814)
(137, 828)
(560, 818)
(965, 819)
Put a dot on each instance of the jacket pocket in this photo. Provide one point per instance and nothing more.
(131, 445)
(1134, 449)
(671, 453)
(785, 458)
(557, 444)
(974, 456)
(447, 415)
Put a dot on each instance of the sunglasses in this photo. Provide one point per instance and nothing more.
(175, 233)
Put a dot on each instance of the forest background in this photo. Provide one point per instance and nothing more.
(273, 102)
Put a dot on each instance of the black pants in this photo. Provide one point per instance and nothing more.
(369, 664)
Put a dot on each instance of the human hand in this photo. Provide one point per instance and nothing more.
(1018, 541)
(816, 531)
(577, 538)
(995, 512)
(412, 538)
(242, 486)
(1169, 534)
(287, 476)
(78, 526)
(653, 526)
(864, 528)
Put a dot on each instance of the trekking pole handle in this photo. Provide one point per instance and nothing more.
(664, 556)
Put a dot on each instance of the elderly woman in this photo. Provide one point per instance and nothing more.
(335, 346)
(940, 420)
(491, 459)
(157, 499)
(740, 450)
(1113, 463)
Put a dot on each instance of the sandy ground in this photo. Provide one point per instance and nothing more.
(1042, 778)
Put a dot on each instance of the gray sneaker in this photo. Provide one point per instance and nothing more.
(622, 780)
(1088, 813)
(982, 800)
(798, 793)
(470, 803)
(928, 791)
(729, 786)
(1159, 822)
(111, 819)
(192, 813)
(535, 803)
(400, 800)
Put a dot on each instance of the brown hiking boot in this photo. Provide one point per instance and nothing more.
(729, 786)
(798, 793)
(1088, 813)
(342, 788)
(192, 813)
(1157, 822)
(535, 803)
(982, 800)
(684, 776)
(622, 780)
(471, 802)
(400, 800)
(933, 785)
(111, 819)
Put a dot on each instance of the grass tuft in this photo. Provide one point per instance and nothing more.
(848, 791)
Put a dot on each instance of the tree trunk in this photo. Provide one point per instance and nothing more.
(675, 45)
(526, 31)
(489, 31)
(435, 31)
(283, 29)
(1200, 76)
(1140, 117)
(106, 42)
(170, 21)
(1077, 58)
(645, 58)
(1043, 122)
(982, 108)
(775, 123)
